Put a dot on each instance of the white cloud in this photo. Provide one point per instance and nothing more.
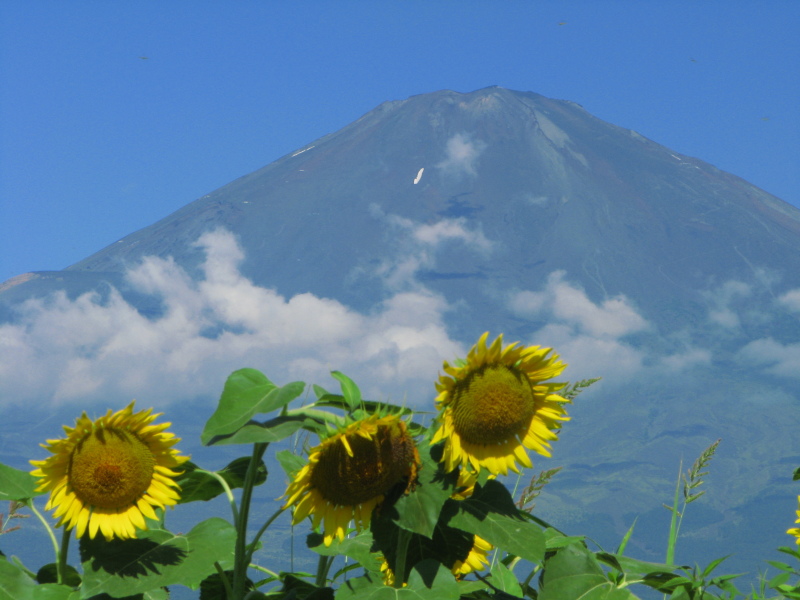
(461, 155)
(415, 246)
(89, 351)
(614, 317)
(720, 311)
(588, 336)
(791, 300)
(773, 356)
(591, 337)
(451, 229)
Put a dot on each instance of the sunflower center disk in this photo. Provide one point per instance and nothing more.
(376, 466)
(111, 468)
(492, 405)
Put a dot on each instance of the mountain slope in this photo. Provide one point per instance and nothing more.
(527, 215)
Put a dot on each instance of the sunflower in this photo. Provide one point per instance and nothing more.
(495, 404)
(475, 560)
(350, 473)
(109, 473)
(795, 531)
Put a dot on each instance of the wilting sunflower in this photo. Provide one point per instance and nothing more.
(795, 531)
(495, 404)
(108, 474)
(350, 472)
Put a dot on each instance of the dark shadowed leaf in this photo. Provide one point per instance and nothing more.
(157, 558)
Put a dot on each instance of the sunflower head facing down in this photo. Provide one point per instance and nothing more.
(108, 474)
(350, 473)
(496, 404)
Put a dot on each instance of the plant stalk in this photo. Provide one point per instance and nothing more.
(240, 559)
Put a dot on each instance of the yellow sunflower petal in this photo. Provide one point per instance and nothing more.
(108, 473)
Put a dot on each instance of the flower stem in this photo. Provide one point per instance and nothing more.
(224, 579)
(403, 539)
(322, 571)
(252, 545)
(61, 565)
(49, 532)
(228, 492)
(240, 560)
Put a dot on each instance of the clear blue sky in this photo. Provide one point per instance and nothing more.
(113, 115)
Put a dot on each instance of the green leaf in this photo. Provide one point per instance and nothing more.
(290, 462)
(49, 574)
(156, 559)
(796, 475)
(490, 513)
(247, 392)
(15, 584)
(358, 548)
(16, 484)
(428, 581)
(274, 430)
(197, 484)
(53, 591)
(419, 510)
(505, 580)
(632, 565)
(573, 572)
(350, 391)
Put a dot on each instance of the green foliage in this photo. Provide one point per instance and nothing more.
(16, 484)
(420, 532)
(156, 559)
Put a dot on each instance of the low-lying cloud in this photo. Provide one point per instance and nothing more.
(594, 338)
(91, 351)
(415, 246)
(461, 156)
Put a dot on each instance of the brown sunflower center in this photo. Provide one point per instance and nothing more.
(492, 404)
(111, 468)
(376, 466)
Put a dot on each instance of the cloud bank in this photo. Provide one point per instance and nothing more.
(90, 351)
(595, 338)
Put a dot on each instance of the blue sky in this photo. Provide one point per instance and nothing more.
(113, 115)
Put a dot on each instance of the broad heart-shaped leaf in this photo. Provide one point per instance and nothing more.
(157, 558)
(573, 572)
(428, 581)
(196, 484)
(16, 484)
(350, 391)
(490, 513)
(247, 392)
(15, 584)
